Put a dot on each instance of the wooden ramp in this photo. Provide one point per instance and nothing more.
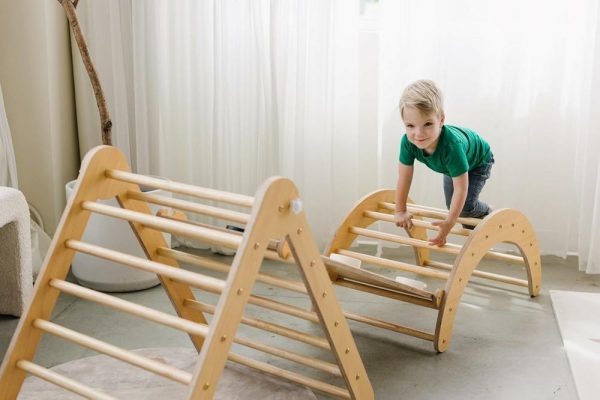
(501, 226)
(275, 228)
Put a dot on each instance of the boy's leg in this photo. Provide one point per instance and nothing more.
(473, 206)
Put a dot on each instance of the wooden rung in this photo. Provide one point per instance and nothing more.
(212, 236)
(130, 308)
(384, 262)
(127, 356)
(205, 262)
(62, 381)
(274, 328)
(481, 274)
(428, 208)
(283, 331)
(416, 210)
(220, 213)
(192, 278)
(274, 244)
(181, 188)
(418, 223)
(448, 248)
(293, 376)
(292, 356)
(390, 326)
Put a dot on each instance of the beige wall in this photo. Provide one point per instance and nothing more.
(36, 78)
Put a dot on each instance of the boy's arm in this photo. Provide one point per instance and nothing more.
(461, 187)
(405, 175)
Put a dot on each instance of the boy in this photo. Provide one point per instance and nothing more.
(460, 154)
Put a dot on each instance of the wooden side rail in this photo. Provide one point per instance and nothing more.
(275, 227)
(501, 226)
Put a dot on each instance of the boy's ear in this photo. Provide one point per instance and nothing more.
(442, 119)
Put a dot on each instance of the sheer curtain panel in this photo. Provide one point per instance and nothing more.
(226, 93)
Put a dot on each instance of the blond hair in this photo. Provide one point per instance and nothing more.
(423, 95)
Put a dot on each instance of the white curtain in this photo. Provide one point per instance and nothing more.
(224, 94)
(588, 166)
(523, 75)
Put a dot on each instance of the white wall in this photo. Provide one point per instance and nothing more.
(36, 77)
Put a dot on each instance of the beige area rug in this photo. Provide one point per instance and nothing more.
(124, 381)
(578, 316)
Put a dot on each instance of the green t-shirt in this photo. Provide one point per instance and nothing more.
(458, 150)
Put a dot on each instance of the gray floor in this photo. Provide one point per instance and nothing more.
(505, 345)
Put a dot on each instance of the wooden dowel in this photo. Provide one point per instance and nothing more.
(283, 308)
(428, 208)
(418, 223)
(384, 262)
(220, 213)
(416, 210)
(387, 293)
(447, 248)
(130, 308)
(181, 188)
(293, 376)
(292, 356)
(162, 224)
(271, 327)
(205, 262)
(62, 381)
(191, 278)
(297, 335)
(150, 365)
(274, 244)
(390, 326)
(481, 274)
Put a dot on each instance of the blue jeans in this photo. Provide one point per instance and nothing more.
(473, 206)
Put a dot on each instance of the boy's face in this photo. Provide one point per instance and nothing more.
(422, 130)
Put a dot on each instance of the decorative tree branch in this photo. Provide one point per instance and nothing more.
(105, 122)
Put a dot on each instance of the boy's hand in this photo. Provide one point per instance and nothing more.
(444, 227)
(403, 219)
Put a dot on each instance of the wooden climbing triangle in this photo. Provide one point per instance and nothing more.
(274, 215)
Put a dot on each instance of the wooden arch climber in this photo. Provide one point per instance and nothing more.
(501, 226)
(274, 213)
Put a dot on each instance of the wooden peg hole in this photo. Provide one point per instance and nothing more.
(256, 245)
(299, 231)
(206, 386)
